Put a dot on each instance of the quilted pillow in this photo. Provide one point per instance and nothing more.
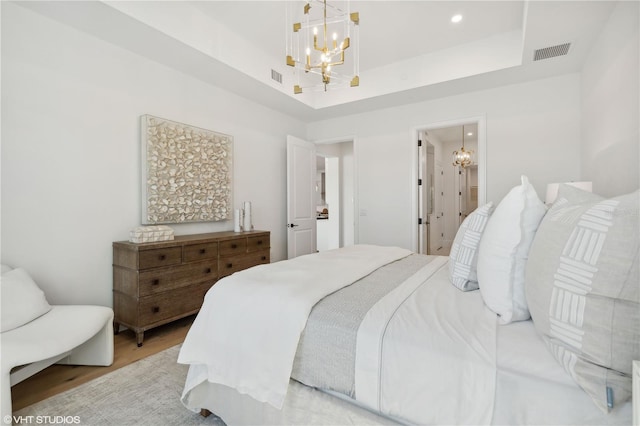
(583, 289)
(22, 300)
(463, 258)
(503, 252)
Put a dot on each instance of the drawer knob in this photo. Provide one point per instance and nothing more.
(234, 246)
(259, 242)
(203, 251)
(155, 309)
(229, 265)
(155, 282)
(207, 271)
(264, 257)
(162, 257)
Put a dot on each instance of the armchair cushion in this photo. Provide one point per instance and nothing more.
(22, 300)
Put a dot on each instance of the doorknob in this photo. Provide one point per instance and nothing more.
(291, 225)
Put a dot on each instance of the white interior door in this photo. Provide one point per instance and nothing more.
(423, 198)
(462, 196)
(436, 220)
(301, 203)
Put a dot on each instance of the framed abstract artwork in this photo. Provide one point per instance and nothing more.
(186, 173)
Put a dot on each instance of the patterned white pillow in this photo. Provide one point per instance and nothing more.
(583, 289)
(463, 258)
(504, 249)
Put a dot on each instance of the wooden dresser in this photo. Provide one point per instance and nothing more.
(156, 283)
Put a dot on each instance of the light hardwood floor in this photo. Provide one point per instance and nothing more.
(59, 378)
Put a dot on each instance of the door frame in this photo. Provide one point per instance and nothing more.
(481, 157)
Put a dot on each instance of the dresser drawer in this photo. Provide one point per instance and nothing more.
(228, 247)
(171, 303)
(159, 280)
(229, 265)
(197, 252)
(258, 243)
(160, 257)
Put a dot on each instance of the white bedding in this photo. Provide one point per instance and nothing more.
(531, 379)
(248, 329)
(530, 395)
(424, 342)
(530, 386)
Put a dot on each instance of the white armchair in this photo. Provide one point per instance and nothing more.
(64, 334)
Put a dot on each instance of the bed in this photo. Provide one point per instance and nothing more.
(379, 335)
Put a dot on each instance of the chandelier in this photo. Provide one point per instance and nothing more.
(462, 157)
(317, 44)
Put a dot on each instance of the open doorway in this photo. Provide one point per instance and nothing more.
(446, 194)
(327, 202)
(335, 192)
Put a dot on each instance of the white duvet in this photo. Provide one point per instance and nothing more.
(248, 329)
(434, 362)
(426, 352)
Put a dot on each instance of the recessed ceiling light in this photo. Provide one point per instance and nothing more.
(470, 134)
(456, 18)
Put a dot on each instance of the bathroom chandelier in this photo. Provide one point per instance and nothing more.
(314, 51)
(462, 157)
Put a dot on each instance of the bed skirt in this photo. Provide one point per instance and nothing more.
(302, 405)
(310, 406)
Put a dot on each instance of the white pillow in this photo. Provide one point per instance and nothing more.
(504, 249)
(22, 300)
(463, 258)
(5, 268)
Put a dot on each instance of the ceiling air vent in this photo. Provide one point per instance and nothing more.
(276, 76)
(551, 52)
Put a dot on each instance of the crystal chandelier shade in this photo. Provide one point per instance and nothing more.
(462, 157)
(323, 47)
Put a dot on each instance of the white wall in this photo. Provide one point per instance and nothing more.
(610, 112)
(70, 144)
(333, 197)
(532, 129)
(71, 151)
(347, 183)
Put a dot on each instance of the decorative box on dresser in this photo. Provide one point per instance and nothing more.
(156, 283)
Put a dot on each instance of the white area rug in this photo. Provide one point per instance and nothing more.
(146, 392)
